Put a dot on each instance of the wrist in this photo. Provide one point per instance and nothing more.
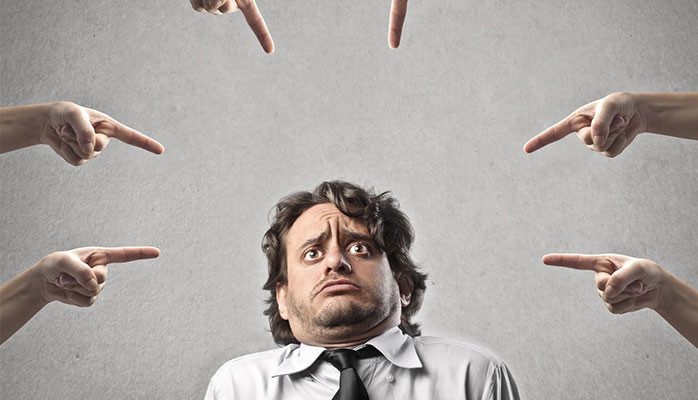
(648, 109)
(34, 288)
(21, 126)
(43, 114)
(666, 298)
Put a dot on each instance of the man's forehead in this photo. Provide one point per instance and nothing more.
(319, 218)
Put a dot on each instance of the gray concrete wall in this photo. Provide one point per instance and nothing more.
(440, 122)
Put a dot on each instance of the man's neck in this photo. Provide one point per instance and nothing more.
(347, 337)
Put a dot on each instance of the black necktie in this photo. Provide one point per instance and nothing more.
(350, 385)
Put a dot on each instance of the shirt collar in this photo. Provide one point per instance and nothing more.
(397, 347)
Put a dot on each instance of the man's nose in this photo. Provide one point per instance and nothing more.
(336, 261)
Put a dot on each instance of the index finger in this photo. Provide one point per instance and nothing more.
(550, 135)
(591, 262)
(575, 261)
(398, 11)
(107, 255)
(256, 22)
(130, 136)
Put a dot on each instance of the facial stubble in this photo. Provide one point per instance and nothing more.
(341, 311)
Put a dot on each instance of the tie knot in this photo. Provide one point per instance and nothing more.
(345, 358)
(341, 358)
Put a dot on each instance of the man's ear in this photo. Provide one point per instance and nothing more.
(406, 288)
(281, 300)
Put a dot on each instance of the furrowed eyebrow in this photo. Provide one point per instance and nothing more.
(317, 239)
(353, 236)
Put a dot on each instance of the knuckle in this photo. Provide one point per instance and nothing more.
(606, 145)
(597, 125)
(197, 5)
(73, 111)
(613, 308)
(617, 95)
(65, 104)
(61, 257)
(101, 276)
(86, 302)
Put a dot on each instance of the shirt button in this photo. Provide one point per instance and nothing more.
(389, 378)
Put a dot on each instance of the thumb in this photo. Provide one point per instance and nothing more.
(601, 123)
(624, 277)
(79, 120)
(73, 270)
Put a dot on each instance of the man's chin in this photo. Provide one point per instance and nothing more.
(340, 312)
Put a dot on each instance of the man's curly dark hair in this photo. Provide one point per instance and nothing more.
(389, 228)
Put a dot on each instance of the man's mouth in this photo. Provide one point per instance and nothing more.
(338, 286)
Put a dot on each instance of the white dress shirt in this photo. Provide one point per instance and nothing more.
(419, 368)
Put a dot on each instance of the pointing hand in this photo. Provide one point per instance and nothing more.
(249, 11)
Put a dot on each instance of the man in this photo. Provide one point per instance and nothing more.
(341, 277)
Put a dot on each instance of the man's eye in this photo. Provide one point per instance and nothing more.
(311, 255)
(358, 248)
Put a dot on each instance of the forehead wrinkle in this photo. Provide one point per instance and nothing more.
(353, 235)
(317, 239)
(346, 227)
(330, 216)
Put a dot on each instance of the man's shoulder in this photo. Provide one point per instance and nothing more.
(247, 376)
(443, 350)
(262, 362)
(459, 364)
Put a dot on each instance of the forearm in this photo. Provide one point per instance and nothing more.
(21, 126)
(672, 114)
(678, 305)
(20, 300)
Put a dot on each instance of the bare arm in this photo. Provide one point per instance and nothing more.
(20, 300)
(610, 124)
(73, 277)
(20, 126)
(627, 284)
(75, 133)
(678, 306)
(671, 114)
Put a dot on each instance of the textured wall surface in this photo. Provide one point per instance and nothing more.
(440, 122)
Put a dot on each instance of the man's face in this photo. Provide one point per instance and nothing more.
(340, 286)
